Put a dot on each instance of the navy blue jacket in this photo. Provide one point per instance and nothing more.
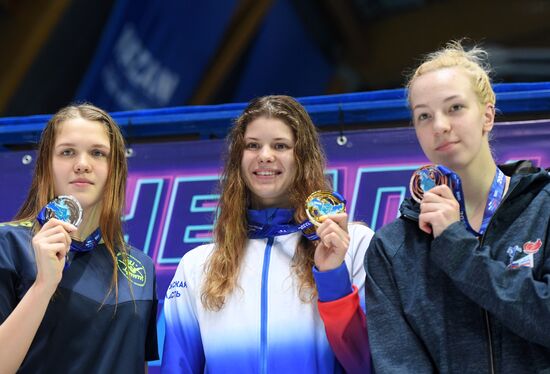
(85, 329)
(459, 304)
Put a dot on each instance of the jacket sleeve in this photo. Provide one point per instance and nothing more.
(395, 347)
(346, 330)
(151, 340)
(8, 280)
(183, 351)
(519, 298)
(342, 307)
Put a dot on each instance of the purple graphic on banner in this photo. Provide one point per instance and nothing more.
(173, 186)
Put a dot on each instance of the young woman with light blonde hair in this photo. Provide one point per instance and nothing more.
(460, 283)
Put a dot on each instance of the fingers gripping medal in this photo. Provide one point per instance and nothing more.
(319, 205)
(65, 208)
(424, 179)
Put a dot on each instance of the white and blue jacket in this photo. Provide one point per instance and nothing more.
(263, 327)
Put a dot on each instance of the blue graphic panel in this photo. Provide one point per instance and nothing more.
(189, 218)
(145, 204)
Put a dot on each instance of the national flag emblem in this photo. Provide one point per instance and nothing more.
(526, 261)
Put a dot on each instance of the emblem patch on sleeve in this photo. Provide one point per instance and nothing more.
(523, 256)
(132, 269)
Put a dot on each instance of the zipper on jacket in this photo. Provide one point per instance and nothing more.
(489, 342)
(485, 313)
(263, 311)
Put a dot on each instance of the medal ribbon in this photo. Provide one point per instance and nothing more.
(306, 225)
(496, 193)
(84, 246)
(267, 223)
(88, 244)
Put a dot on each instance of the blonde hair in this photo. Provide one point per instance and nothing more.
(472, 61)
(112, 204)
(230, 232)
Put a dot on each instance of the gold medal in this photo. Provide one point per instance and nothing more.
(323, 203)
(424, 179)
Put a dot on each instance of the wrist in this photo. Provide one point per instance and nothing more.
(329, 266)
(43, 289)
(332, 284)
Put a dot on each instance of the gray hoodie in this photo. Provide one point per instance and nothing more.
(459, 304)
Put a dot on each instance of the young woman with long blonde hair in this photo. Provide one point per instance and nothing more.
(76, 299)
(460, 283)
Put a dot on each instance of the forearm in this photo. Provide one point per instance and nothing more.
(18, 330)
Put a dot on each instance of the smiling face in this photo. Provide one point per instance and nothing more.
(451, 124)
(268, 165)
(80, 160)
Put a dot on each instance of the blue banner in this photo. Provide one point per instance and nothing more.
(153, 53)
(156, 54)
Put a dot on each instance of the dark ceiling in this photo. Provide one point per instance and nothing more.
(47, 45)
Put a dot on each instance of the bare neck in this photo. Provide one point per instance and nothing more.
(476, 185)
(90, 222)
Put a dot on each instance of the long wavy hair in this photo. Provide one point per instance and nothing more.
(230, 231)
(112, 204)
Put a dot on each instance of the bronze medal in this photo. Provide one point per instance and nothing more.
(424, 179)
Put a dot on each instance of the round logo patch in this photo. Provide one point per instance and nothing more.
(132, 269)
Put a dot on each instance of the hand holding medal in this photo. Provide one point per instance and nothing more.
(326, 211)
(438, 208)
(449, 202)
(318, 206)
(59, 218)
